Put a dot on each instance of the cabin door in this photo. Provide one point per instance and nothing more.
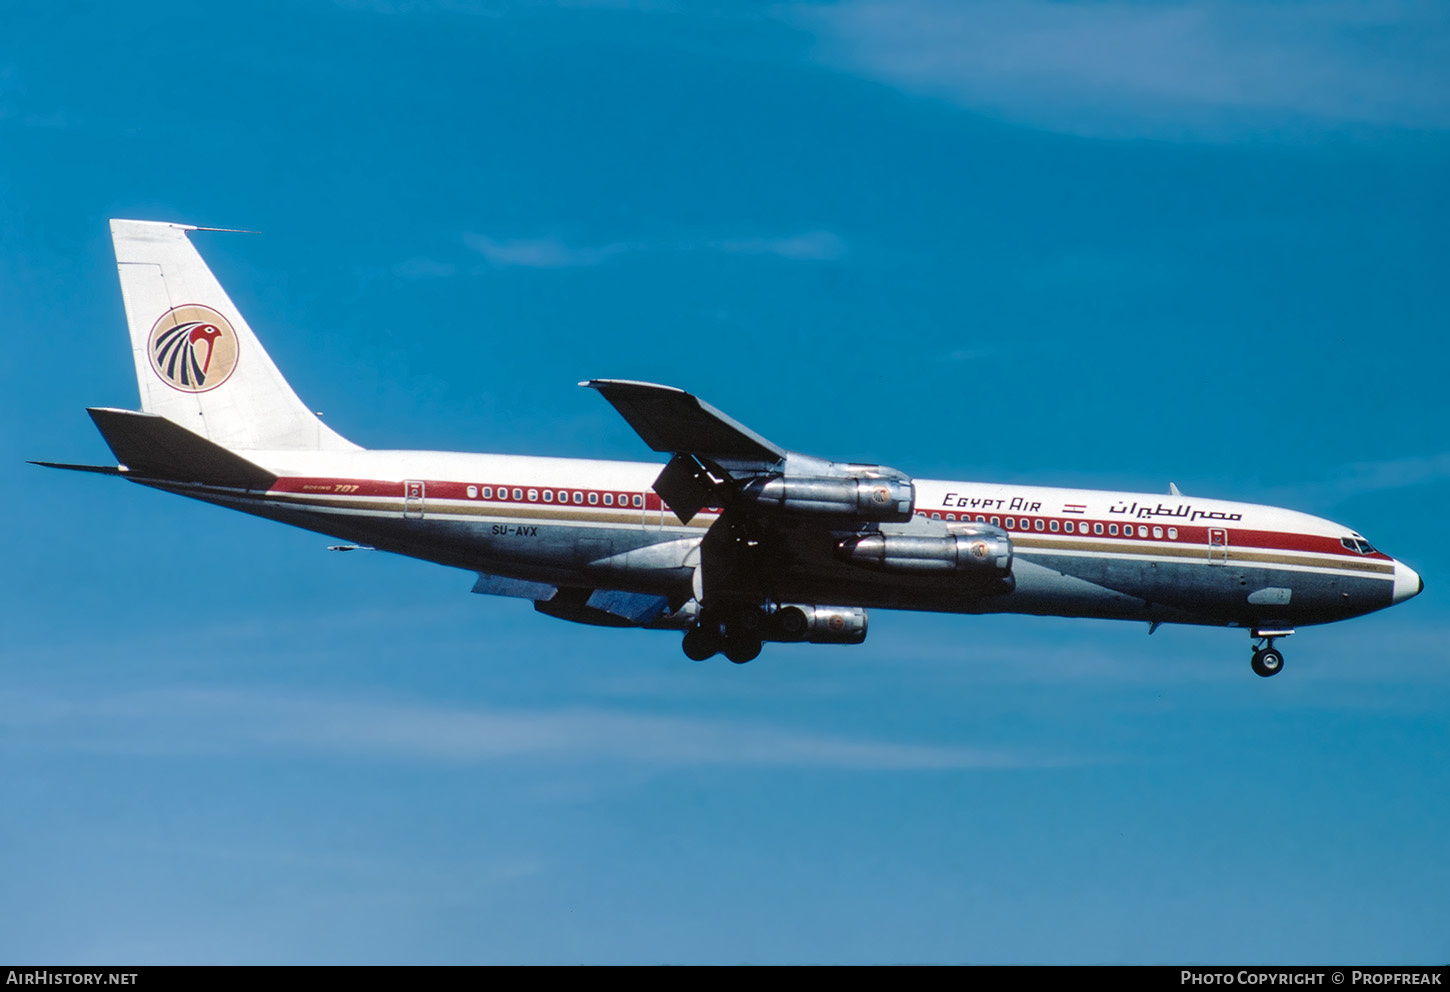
(413, 499)
(1217, 546)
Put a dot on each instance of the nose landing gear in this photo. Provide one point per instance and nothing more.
(1267, 660)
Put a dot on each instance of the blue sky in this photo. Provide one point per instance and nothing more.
(1106, 244)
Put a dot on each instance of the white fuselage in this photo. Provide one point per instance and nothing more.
(582, 522)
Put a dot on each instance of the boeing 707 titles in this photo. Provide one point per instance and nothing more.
(734, 541)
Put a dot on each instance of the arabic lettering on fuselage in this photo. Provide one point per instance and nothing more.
(1018, 504)
(1181, 510)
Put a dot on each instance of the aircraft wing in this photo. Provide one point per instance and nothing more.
(712, 451)
(720, 462)
(670, 419)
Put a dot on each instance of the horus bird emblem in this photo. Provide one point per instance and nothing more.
(178, 356)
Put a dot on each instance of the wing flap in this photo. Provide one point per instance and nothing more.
(638, 607)
(499, 585)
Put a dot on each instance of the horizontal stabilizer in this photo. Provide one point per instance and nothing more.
(670, 419)
(153, 446)
(98, 469)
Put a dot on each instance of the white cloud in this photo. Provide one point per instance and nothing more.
(209, 721)
(553, 253)
(501, 8)
(1366, 477)
(424, 268)
(815, 246)
(540, 253)
(1196, 70)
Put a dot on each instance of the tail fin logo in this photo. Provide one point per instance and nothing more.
(193, 348)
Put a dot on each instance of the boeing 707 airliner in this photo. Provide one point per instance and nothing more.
(735, 541)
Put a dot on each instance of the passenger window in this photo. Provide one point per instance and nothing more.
(1011, 523)
(639, 501)
(473, 492)
(1037, 524)
(593, 499)
(1097, 528)
(1158, 532)
(578, 497)
(1172, 533)
(1142, 531)
(936, 516)
(533, 495)
(1052, 526)
(1113, 530)
(609, 499)
(996, 521)
(548, 495)
(1068, 526)
(518, 494)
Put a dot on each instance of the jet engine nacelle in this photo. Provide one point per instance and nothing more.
(876, 500)
(818, 624)
(984, 554)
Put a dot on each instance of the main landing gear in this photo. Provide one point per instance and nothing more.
(703, 642)
(1267, 659)
(738, 637)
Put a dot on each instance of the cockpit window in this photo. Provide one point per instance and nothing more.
(1357, 544)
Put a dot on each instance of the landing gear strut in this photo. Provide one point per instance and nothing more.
(1267, 659)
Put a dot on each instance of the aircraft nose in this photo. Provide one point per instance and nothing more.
(1407, 583)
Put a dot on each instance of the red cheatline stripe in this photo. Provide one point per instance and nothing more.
(1239, 538)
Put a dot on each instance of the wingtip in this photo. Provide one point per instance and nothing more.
(632, 384)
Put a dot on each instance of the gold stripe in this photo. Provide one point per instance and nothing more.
(1199, 552)
(1341, 563)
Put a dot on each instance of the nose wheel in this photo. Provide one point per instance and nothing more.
(1267, 659)
(1267, 662)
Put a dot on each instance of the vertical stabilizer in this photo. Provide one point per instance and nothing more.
(197, 361)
